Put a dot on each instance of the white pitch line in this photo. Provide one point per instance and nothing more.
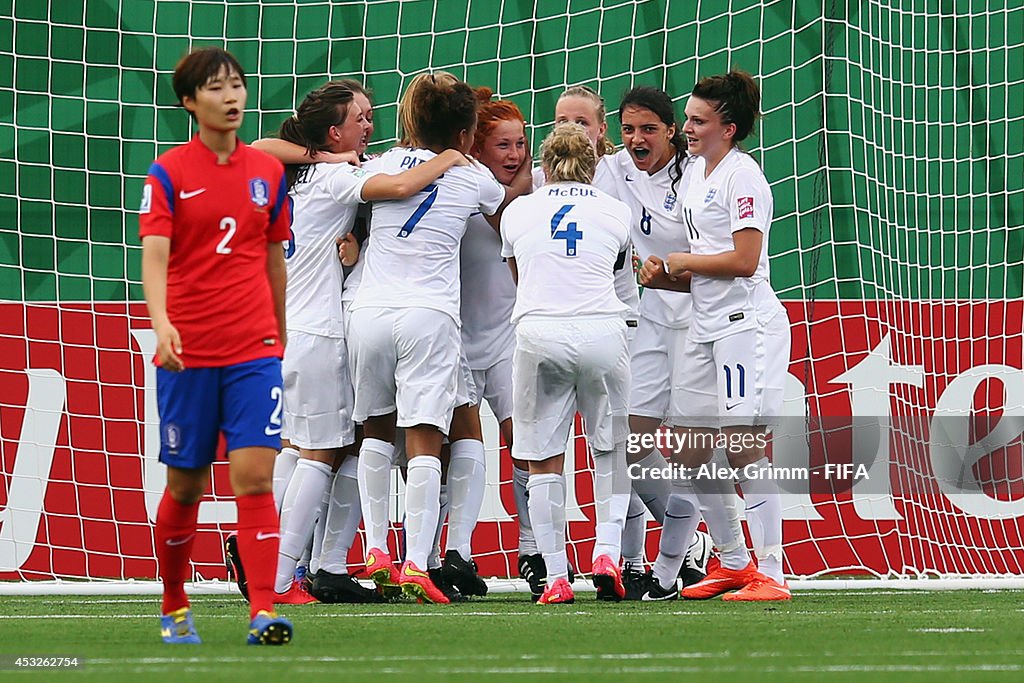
(189, 666)
(455, 612)
(585, 657)
(948, 630)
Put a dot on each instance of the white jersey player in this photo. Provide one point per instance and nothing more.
(404, 324)
(562, 243)
(650, 173)
(736, 358)
(488, 338)
(317, 389)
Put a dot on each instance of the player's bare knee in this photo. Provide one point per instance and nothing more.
(744, 445)
(187, 486)
(553, 465)
(466, 423)
(641, 430)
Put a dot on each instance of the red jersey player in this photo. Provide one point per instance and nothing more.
(214, 214)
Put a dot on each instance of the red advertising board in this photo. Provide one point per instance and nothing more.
(80, 482)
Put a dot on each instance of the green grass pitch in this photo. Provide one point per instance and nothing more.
(871, 635)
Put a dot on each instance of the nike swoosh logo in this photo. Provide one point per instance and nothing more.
(179, 541)
(647, 597)
(414, 572)
(188, 195)
(708, 582)
(264, 536)
(728, 407)
(629, 179)
(271, 431)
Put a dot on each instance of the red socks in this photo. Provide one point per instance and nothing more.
(175, 535)
(258, 540)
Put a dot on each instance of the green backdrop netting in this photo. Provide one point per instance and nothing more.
(893, 131)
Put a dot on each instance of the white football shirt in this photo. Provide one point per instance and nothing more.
(412, 260)
(566, 238)
(325, 198)
(488, 295)
(625, 279)
(656, 229)
(734, 197)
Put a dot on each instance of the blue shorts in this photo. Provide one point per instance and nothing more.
(195, 405)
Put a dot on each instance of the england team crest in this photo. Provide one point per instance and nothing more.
(259, 192)
(670, 201)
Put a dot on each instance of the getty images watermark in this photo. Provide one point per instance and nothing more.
(719, 468)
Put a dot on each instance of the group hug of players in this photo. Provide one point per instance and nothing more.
(474, 277)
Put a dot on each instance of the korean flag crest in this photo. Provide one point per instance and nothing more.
(670, 201)
(259, 192)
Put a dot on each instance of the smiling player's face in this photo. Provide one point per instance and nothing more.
(503, 150)
(219, 104)
(366, 107)
(647, 138)
(350, 135)
(706, 134)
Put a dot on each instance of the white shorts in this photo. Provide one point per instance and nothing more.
(406, 360)
(559, 366)
(653, 360)
(466, 393)
(494, 385)
(734, 381)
(317, 392)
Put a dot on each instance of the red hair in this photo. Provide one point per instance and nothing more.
(490, 113)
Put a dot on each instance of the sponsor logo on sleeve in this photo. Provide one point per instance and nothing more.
(147, 199)
(745, 207)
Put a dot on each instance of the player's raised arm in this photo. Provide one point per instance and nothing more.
(741, 261)
(290, 153)
(407, 183)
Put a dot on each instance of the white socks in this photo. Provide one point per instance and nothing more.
(343, 517)
(682, 515)
(764, 518)
(374, 475)
(716, 498)
(434, 560)
(298, 515)
(527, 542)
(547, 512)
(611, 500)
(652, 491)
(284, 466)
(634, 532)
(422, 507)
(467, 478)
(311, 557)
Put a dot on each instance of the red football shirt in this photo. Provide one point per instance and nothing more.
(220, 219)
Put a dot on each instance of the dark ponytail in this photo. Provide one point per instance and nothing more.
(736, 98)
(660, 103)
(322, 108)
